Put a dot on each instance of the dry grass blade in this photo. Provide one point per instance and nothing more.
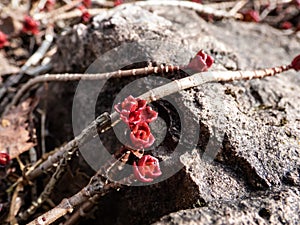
(15, 204)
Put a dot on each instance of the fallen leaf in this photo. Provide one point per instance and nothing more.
(15, 137)
(6, 68)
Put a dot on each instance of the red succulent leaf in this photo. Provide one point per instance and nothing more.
(125, 115)
(150, 166)
(49, 5)
(86, 16)
(118, 2)
(297, 3)
(251, 16)
(4, 159)
(197, 1)
(131, 110)
(147, 169)
(141, 136)
(141, 104)
(133, 118)
(139, 176)
(30, 25)
(131, 104)
(87, 3)
(3, 39)
(201, 62)
(296, 63)
(135, 113)
(286, 25)
(148, 115)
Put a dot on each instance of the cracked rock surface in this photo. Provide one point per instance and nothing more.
(245, 165)
(270, 207)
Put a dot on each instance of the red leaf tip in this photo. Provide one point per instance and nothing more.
(251, 16)
(118, 2)
(201, 62)
(30, 25)
(147, 169)
(4, 159)
(296, 63)
(3, 39)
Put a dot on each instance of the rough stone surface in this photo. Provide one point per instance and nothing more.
(246, 161)
(270, 207)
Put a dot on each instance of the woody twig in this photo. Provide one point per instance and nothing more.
(104, 122)
(98, 185)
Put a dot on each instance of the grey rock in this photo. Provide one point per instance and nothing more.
(270, 207)
(249, 130)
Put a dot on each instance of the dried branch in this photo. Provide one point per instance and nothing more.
(111, 167)
(238, 6)
(100, 124)
(61, 10)
(200, 8)
(101, 76)
(105, 121)
(221, 5)
(85, 208)
(43, 129)
(41, 51)
(14, 207)
(201, 78)
(76, 13)
(59, 172)
(96, 186)
(35, 58)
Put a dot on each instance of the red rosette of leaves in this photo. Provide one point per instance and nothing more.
(141, 136)
(147, 169)
(3, 39)
(137, 115)
(4, 159)
(30, 25)
(296, 63)
(118, 2)
(134, 110)
(251, 16)
(201, 62)
(297, 3)
(49, 5)
(87, 3)
(85, 16)
(286, 25)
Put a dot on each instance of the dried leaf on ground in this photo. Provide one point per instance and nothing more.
(6, 67)
(15, 136)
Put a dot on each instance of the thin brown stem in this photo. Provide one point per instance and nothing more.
(96, 186)
(85, 208)
(76, 13)
(115, 167)
(58, 11)
(101, 122)
(238, 6)
(34, 59)
(221, 5)
(204, 77)
(100, 76)
(105, 121)
(59, 172)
